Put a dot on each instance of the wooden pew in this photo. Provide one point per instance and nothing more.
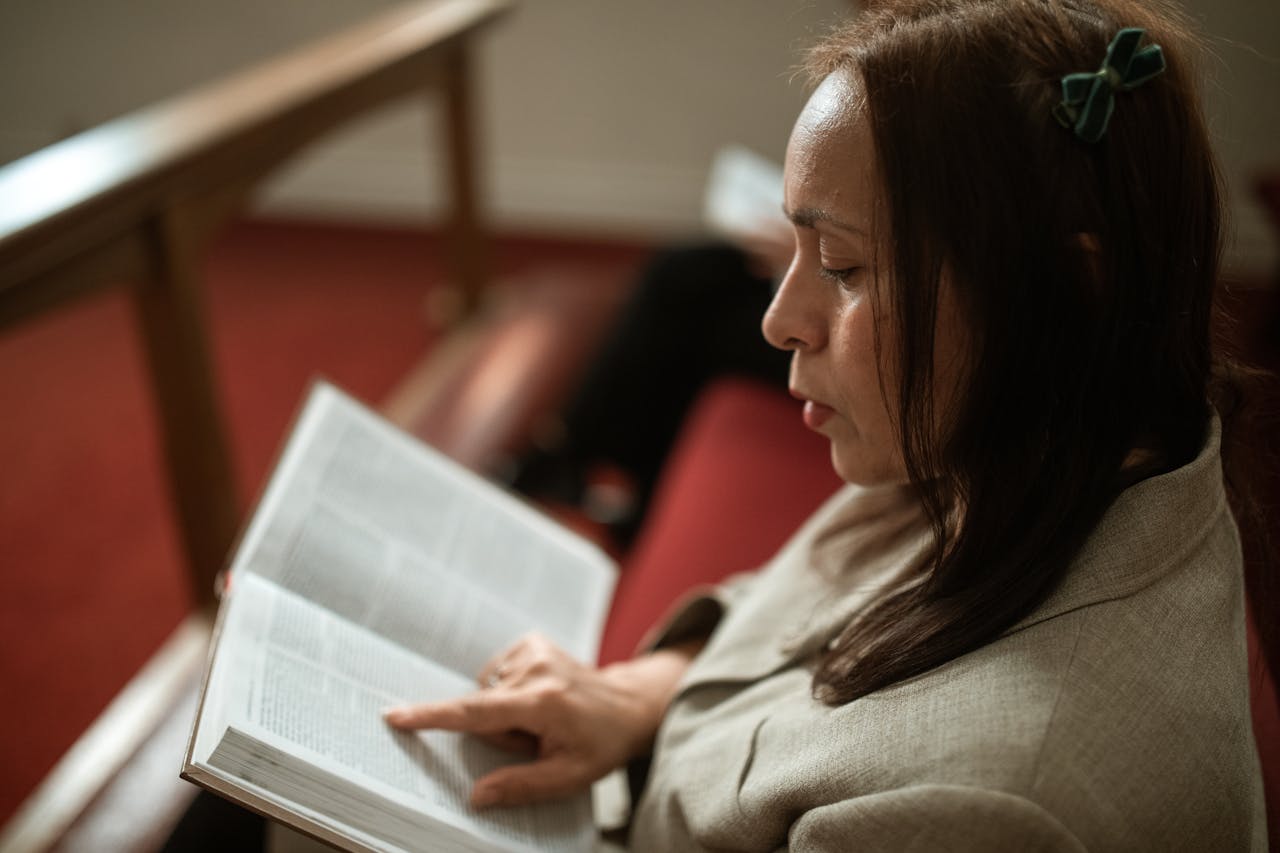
(135, 201)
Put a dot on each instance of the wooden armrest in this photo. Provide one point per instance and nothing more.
(87, 194)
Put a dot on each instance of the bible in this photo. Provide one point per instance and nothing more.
(377, 572)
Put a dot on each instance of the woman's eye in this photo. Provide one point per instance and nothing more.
(840, 276)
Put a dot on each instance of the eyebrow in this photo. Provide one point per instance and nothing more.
(808, 217)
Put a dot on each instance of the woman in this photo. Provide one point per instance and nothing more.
(1021, 624)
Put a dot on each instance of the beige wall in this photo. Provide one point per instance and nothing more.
(599, 115)
(1243, 103)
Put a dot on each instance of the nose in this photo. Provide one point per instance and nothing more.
(792, 322)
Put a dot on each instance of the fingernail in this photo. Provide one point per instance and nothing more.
(393, 715)
(483, 797)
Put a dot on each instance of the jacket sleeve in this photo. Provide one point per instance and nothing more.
(932, 818)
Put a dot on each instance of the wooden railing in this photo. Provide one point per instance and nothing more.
(134, 202)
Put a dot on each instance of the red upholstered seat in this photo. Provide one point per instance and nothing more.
(743, 476)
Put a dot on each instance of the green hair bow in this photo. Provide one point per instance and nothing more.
(1089, 99)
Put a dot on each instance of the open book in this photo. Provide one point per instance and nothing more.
(377, 572)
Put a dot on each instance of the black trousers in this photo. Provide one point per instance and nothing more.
(694, 317)
(213, 825)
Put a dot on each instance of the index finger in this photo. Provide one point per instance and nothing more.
(482, 712)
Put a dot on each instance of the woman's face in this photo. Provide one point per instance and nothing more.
(822, 312)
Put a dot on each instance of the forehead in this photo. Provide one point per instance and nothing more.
(830, 164)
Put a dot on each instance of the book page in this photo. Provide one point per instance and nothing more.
(386, 532)
(310, 685)
(376, 572)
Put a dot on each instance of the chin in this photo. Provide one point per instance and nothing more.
(860, 469)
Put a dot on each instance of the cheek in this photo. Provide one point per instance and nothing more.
(868, 454)
(855, 345)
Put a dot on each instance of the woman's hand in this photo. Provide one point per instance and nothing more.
(580, 722)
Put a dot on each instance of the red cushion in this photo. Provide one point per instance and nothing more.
(1266, 731)
(743, 476)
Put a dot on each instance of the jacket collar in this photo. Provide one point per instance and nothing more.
(1151, 529)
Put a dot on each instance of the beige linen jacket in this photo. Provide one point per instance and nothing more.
(1114, 717)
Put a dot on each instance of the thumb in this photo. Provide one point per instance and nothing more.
(532, 782)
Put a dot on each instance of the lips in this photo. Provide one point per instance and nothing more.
(815, 414)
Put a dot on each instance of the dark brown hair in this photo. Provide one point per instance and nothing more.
(1084, 275)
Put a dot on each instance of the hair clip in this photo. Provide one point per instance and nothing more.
(1088, 99)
